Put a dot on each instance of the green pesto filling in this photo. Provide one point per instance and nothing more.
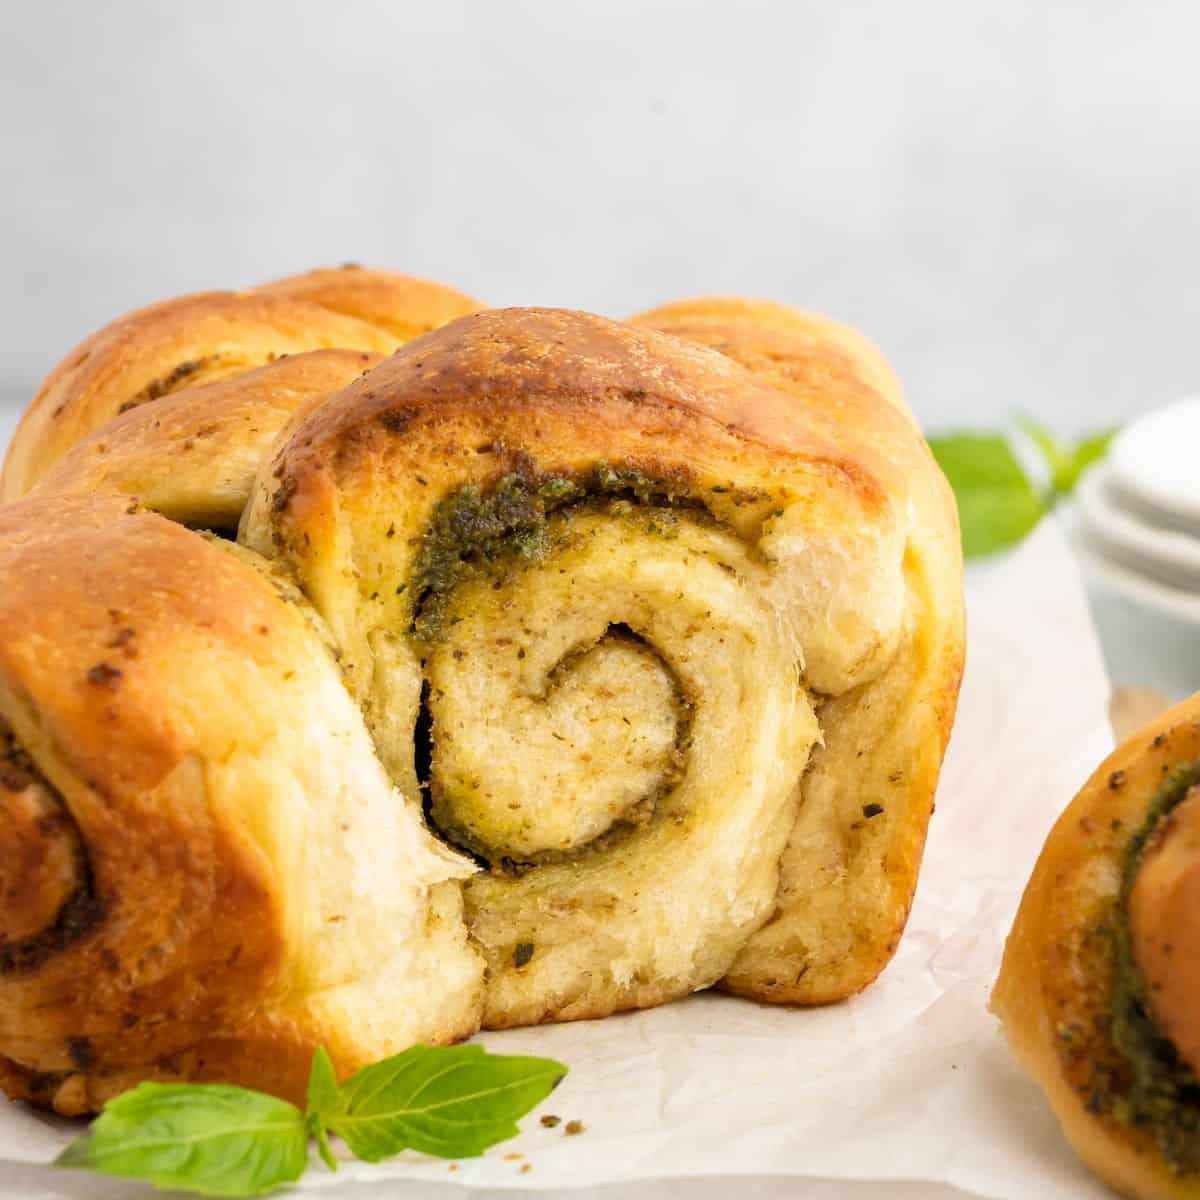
(507, 521)
(1164, 1093)
(439, 809)
(511, 522)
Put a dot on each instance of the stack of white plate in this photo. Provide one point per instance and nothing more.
(1138, 530)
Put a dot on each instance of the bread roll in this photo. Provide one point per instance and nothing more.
(848, 872)
(181, 344)
(1099, 991)
(204, 870)
(604, 593)
(192, 456)
(561, 666)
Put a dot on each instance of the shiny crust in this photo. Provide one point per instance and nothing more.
(402, 304)
(635, 389)
(1049, 984)
(846, 488)
(177, 344)
(183, 707)
(847, 883)
(192, 456)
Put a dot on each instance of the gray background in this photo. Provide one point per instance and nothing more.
(1004, 195)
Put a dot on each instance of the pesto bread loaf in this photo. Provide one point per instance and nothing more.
(647, 635)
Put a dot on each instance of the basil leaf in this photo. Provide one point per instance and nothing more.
(322, 1100)
(997, 505)
(213, 1139)
(1058, 457)
(1067, 464)
(322, 1084)
(1085, 452)
(450, 1101)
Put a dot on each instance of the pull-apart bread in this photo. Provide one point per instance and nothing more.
(549, 667)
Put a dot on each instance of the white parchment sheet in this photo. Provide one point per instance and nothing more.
(905, 1091)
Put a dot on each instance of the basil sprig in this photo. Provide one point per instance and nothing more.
(220, 1140)
(998, 504)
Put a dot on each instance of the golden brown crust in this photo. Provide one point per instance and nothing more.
(169, 696)
(837, 924)
(161, 350)
(177, 344)
(192, 456)
(402, 304)
(1055, 991)
(180, 898)
(831, 366)
(570, 388)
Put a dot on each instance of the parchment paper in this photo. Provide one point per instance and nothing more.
(909, 1082)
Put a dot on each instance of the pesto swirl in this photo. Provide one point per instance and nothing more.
(1162, 1094)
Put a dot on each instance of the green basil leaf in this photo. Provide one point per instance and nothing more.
(322, 1100)
(1057, 456)
(213, 1139)
(1085, 452)
(1067, 464)
(450, 1101)
(315, 1126)
(997, 505)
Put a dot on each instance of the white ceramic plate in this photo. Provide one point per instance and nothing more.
(1153, 463)
(1115, 530)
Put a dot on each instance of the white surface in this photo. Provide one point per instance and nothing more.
(908, 1087)
(1002, 193)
